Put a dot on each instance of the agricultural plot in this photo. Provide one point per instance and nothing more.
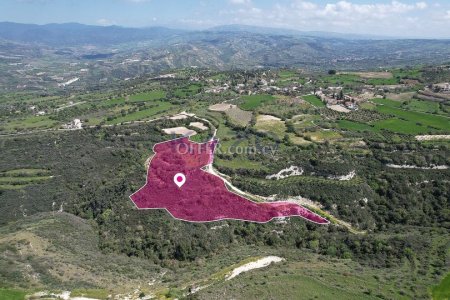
(20, 178)
(434, 121)
(143, 114)
(287, 77)
(239, 116)
(239, 163)
(147, 96)
(400, 126)
(355, 126)
(342, 79)
(305, 121)
(188, 91)
(252, 102)
(285, 107)
(323, 135)
(388, 102)
(314, 100)
(409, 121)
(235, 114)
(367, 105)
(111, 103)
(383, 81)
(30, 123)
(296, 140)
(380, 75)
(424, 106)
(270, 124)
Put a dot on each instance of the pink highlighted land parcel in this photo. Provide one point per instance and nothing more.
(203, 197)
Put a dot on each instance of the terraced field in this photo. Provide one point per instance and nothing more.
(20, 178)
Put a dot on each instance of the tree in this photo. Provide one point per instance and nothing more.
(332, 72)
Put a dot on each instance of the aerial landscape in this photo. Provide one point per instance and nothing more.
(227, 150)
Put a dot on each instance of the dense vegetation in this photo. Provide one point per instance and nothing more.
(398, 218)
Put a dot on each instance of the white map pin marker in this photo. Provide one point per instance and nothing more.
(179, 179)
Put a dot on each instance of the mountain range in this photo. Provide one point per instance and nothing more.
(224, 47)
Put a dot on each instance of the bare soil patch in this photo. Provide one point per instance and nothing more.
(179, 130)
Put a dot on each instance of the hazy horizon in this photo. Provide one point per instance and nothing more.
(400, 19)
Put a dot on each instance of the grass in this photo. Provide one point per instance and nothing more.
(77, 264)
(142, 114)
(276, 127)
(188, 91)
(305, 121)
(409, 121)
(342, 79)
(25, 172)
(382, 81)
(7, 294)
(239, 116)
(304, 278)
(147, 96)
(112, 102)
(442, 291)
(33, 122)
(254, 101)
(355, 126)
(423, 106)
(20, 178)
(438, 122)
(201, 137)
(314, 100)
(323, 135)
(388, 102)
(284, 74)
(90, 293)
(297, 140)
(400, 126)
(367, 105)
(239, 163)
(285, 107)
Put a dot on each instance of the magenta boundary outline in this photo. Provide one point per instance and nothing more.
(222, 219)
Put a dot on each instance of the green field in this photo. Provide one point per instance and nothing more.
(7, 294)
(142, 114)
(367, 105)
(410, 121)
(30, 123)
(355, 126)
(305, 121)
(254, 101)
(423, 106)
(147, 96)
(276, 127)
(188, 91)
(400, 126)
(112, 102)
(382, 81)
(323, 135)
(388, 102)
(20, 178)
(442, 291)
(438, 122)
(239, 163)
(284, 74)
(342, 79)
(314, 100)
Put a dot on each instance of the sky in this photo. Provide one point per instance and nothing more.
(400, 18)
